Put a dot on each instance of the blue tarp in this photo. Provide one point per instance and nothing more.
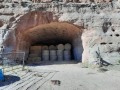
(1, 75)
(77, 53)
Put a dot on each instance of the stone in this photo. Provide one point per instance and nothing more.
(90, 26)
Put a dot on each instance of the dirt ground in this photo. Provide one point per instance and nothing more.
(64, 76)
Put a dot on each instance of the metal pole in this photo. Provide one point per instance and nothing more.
(23, 61)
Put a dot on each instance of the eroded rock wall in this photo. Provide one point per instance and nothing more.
(100, 20)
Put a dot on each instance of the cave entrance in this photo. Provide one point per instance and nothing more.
(52, 42)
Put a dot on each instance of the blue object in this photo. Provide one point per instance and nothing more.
(1, 75)
(77, 53)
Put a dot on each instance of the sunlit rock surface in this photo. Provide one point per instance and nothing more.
(99, 20)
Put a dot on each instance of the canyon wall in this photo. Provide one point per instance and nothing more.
(99, 19)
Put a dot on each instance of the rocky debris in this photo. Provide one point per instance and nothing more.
(56, 82)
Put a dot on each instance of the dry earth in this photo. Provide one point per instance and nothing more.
(70, 76)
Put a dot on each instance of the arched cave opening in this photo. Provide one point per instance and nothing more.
(51, 42)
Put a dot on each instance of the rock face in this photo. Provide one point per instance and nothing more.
(99, 19)
(1, 23)
(34, 19)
